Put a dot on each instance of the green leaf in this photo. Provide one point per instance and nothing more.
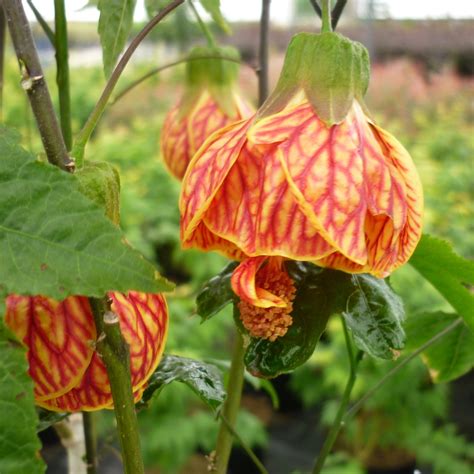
(448, 272)
(115, 24)
(315, 301)
(203, 379)
(374, 314)
(216, 294)
(19, 445)
(56, 242)
(100, 182)
(213, 7)
(452, 355)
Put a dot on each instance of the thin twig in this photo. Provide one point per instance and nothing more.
(337, 12)
(34, 84)
(338, 421)
(356, 407)
(157, 70)
(204, 28)
(62, 71)
(316, 7)
(230, 408)
(263, 52)
(84, 135)
(258, 464)
(90, 435)
(43, 23)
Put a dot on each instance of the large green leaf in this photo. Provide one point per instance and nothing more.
(204, 379)
(216, 293)
(115, 24)
(53, 240)
(19, 445)
(452, 355)
(374, 314)
(448, 272)
(213, 7)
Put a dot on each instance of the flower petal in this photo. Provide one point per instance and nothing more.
(207, 170)
(175, 147)
(324, 171)
(59, 337)
(205, 118)
(243, 284)
(144, 323)
(265, 217)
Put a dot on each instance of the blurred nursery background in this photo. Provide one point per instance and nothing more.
(422, 90)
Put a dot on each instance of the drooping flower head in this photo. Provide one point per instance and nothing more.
(210, 102)
(311, 177)
(60, 337)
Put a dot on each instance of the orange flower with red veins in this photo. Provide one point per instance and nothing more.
(60, 336)
(310, 178)
(210, 102)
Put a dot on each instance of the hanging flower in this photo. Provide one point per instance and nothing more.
(60, 336)
(210, 102)
(311, 177)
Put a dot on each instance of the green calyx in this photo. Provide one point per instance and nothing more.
(216, 70)
(330, 69)
(100, 182)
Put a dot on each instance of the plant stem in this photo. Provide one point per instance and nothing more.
(355, 408)
(263, 52)
(42, 22)
(84, 135)
(35, 85)
(231, 407)
(247, 449)
(62, 70)
(326, 16)
(338, 423)
(90, 435)
(157, 70)
(2, 56)
(337, 12)
(115, 353)
(204, 28)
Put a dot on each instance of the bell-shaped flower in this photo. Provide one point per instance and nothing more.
(311, 177)
(210, 102)
(60, 337)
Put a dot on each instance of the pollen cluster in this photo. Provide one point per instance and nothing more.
(270, 323)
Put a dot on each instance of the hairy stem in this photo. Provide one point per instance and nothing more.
(338, 421)
(42, 22)
(263, 52)
(35, 85)
(231, 407)
(62, 71)
(204, 28)
(356, 407)
(84, 135)
(326, 26)
(90, 435)
(247, 449)
(114, 352)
